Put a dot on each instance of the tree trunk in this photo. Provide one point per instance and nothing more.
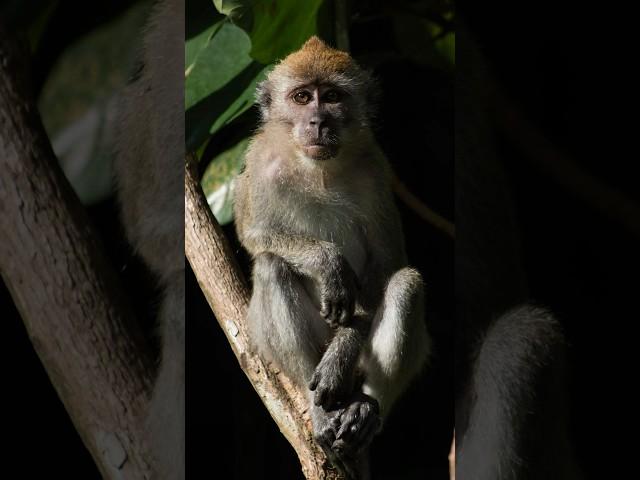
(226, 291)
(64, 289)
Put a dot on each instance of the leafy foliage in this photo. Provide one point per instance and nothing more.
(220, 80)
(224, 62)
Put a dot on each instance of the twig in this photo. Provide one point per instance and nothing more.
(424, 212)
(565, 171)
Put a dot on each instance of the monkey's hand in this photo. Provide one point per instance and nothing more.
(335, 377)
(359, 423)
(332, 382)
(338, 290)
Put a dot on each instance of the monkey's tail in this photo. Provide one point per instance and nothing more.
(510, 379)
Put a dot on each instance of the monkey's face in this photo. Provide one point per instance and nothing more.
(318, 116)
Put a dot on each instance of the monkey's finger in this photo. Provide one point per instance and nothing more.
(349, 419)
(348, 465)
(314, 381)
(319, 397)
(338, 313)
(327, 309)
(346, 314)
(362, 438)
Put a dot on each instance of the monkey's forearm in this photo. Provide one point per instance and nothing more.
(319, 260)
(335, 377)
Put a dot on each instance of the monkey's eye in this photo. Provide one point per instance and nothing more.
(302, 97)
(332, 96)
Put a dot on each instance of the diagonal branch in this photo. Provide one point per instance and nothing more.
(64, 288)
(226, 291)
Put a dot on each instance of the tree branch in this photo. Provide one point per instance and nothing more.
(226, 291)
(63, 287)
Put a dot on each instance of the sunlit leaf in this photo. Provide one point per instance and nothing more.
(238, 11)
(220, 80)
(282, 26)
(276, 27)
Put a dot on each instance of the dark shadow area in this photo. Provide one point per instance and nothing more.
(567, 70)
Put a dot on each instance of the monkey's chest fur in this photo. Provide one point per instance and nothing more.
(333, 215)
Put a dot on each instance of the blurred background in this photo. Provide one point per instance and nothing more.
(566, 74)
(82, 53)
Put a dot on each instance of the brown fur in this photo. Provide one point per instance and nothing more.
(316, 60)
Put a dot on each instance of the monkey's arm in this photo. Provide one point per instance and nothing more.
(319, 260)
(335, 378)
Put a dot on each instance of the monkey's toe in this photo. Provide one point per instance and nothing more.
(359, 423)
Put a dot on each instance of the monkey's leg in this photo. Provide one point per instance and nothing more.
(515, 388)
(282, 321)
(398, 344)
(167, 414)
(287, 328)
(397, 348)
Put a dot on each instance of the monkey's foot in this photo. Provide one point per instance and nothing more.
(359, 423)
(325, 426)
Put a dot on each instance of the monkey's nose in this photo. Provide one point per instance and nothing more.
(315, 125)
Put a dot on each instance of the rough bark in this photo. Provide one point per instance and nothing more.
(64, 288)
(226, 291)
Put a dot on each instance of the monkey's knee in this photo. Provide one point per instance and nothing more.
(405, 288)
(268, 268)
(528, 332)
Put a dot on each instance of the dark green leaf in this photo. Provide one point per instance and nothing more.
(282, 26)
(220, 80)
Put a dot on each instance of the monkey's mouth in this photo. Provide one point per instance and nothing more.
(320, 151)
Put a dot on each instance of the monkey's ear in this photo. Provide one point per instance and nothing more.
(263, 98)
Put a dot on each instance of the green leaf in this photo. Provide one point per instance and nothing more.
(220, 80)
(276, 27)
(446, 47)
(238, 11)
(218, 181)
(282, 26)
(424, 41)
(77, 100)
(197, 45)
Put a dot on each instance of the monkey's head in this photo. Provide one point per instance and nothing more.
(321, 95)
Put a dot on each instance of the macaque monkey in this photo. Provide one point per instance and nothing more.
(149, 168)
(334, 304)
